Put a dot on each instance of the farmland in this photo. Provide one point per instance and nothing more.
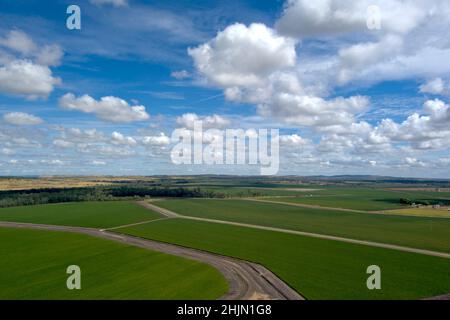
(82, 214)
(318, 269)
(364, 198)
(35, 268)
(422, 212)
(426, 233)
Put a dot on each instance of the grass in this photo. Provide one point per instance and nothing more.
(422, 212)
(34, 266)
(260, 191)
(363, 198)
(105, 214)
(318, 269)
(425, 233)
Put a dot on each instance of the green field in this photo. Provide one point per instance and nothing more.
(105, 214)
(318, 269)
(363, 198)
(418, 232)
(422, 212)
(34, 263)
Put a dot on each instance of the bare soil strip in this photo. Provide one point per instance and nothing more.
(246, 280)
(443, 297)
(308, 234)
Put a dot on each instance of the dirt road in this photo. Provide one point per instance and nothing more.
(246, 280)
(166, 212)
(312, 206)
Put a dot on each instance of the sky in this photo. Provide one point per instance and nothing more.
(354, 87)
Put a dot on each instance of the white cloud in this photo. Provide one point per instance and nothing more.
(115, 3)
(120, 139)
(18, 41)
(208, 122)
(411, 33)
(60, 143)
(7, 151)
(112, 151)
(98, 163)
(21, 118)
(109, 108)
(413, 162)
(24, 66)
(180, 75)
(314, 111)
(50, 55)
(241, 55)
(159, 140)
(23, 77)
(82, 136)
(56, 162)
(436, 86)
(430, 131)
(304, 18)
(358, 57)
(294, 140)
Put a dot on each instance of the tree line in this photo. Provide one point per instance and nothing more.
(13, 198)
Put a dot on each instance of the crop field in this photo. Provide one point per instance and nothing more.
(422, 212)
(318, 269)
(417, 232)
(105, 214)
(35, 268)
(261, 192)
(363, 199)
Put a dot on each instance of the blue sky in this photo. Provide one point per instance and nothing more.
(347, 99)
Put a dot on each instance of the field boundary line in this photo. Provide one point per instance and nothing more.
(385, 212)
(311, 206)
(316, 235)
(134, 224)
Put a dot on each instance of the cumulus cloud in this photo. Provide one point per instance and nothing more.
(241, 55)
(61, 143)
(120, 139)
(50, 55)
(22, 77)
(303, 18)
(358, 57)
(436, 86)
(109, 108)
(294, 140)
(21, 118)
(158, 140)
(429, 131)
(298, 92)
(79, 135)
(411, 32)
(24, 66)
(313, 111)
(18, 41)
(215, 121)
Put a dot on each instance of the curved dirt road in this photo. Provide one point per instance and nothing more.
(246, 280)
